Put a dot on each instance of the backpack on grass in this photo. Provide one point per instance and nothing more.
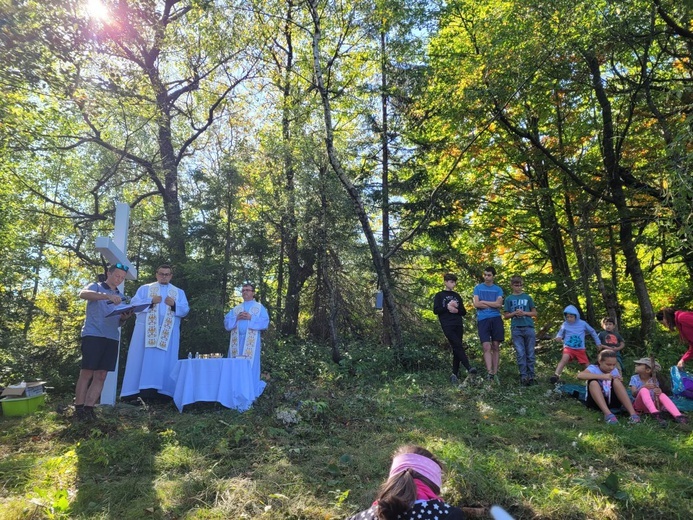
(681, 383)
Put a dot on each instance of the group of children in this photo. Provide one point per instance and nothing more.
(605, 387)
(572, 335)
(604, 380)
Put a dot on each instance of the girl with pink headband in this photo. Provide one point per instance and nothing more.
(411, 490)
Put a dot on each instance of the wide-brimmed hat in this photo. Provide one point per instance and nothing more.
(648, 363)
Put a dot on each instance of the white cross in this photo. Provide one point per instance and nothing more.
(113, 253)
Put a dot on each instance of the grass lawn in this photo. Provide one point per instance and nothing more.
(318, 443)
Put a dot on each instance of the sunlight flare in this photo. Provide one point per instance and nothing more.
(97, 10)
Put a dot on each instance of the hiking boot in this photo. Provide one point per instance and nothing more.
(472, 371)
(533, 381)
(87, 414)
(454, 379)
(681, 419)
(525, 381)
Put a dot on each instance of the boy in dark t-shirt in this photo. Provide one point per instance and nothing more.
(611, 339)
(448, 306)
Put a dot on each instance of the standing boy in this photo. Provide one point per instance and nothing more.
(448, 306)
(488, 300)
(100, 339)
(521, 311)
(611, 339)
(572, 335)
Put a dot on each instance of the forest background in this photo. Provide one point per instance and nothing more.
(329, 150)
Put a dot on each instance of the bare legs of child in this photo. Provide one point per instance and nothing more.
(491, 358)
(596, 396)
(565, 359)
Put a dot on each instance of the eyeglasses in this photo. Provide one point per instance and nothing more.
(164, 274)
(121, 266)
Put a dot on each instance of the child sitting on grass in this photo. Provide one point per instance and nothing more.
(572, 335)
(605, 388)
(648, 394)
(411, 491)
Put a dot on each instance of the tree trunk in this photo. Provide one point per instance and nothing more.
(323, 324)
(297, 271)
(550, 226)
(354, 195)
(280, 279)
(227, 255)
(588, 313)
(607, 292)
(610, 159)
(387, 318)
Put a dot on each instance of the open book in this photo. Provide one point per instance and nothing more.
(126, 307)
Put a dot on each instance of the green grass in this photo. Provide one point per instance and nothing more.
(318, 443)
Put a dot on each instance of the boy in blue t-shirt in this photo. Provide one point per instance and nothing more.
(488, 301)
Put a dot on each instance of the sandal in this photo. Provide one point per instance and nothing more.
(610, 419)
(634, 419)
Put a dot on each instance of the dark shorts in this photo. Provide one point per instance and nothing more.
(491, 329)
(612, 401)
(99, 353)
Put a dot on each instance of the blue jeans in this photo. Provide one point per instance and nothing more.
(524, 340)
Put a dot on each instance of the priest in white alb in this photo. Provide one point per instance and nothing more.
(153, 351)
(245, 322)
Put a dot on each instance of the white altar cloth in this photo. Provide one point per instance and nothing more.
(227, 381)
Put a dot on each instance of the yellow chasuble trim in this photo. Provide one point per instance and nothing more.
(248, 349)
(155, 337)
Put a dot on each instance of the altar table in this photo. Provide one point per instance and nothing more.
(225, 380)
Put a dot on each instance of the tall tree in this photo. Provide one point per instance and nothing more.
(148, 80)
(285, 72)
(325, 89)
(593, 74)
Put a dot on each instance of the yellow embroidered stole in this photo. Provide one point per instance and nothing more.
(247, 350)
(155, 337)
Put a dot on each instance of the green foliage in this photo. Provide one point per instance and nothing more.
(609, 486)
(499, 201)
(498, 155)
